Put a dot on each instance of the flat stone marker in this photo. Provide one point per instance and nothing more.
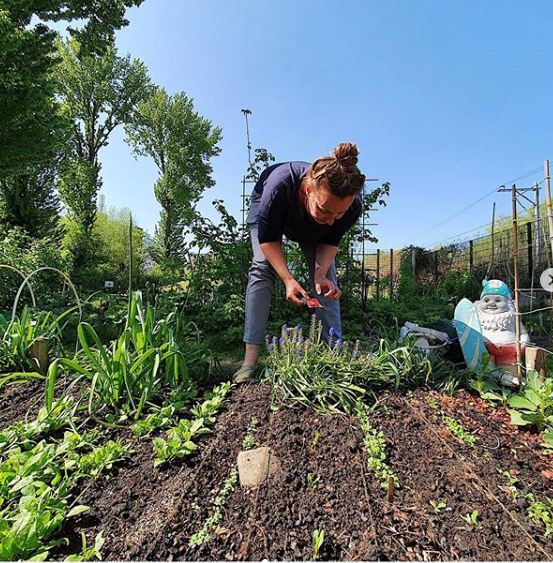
(255, 465)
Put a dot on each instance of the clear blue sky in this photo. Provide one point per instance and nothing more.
(445, 99)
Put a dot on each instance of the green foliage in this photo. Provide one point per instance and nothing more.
(148, 359)
(17, 337)
(179, 441)
(160, 418)
(454, 426)
(20, 250)
(541, 512)
(438, 505)
(30, 123)
(98, 93)
(472, 519)
(375, 445)
(204, 535)
(318, 539)
(459, 431)
(181, 143)
(28, 201)
(332, 376)
(36, 480)
(32, 127)
(250, 442)
(533, 404)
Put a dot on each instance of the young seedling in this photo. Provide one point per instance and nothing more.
(318, 539)
(438, 505)
(511, 483)
(455, 427)
(541, 512)
(315, 442)
(472, 519)
(312, 480)
(204, 535)
(249, 442)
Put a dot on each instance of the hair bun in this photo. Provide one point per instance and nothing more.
(346, 154)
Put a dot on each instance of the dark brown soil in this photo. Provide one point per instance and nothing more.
(149, 513)
(20, 401)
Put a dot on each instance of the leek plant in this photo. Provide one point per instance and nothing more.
(18, 335)
(149, 359)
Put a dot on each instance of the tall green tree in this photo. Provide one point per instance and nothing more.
(181, 143)
(29, 201)
(30, 125)
(98, 93)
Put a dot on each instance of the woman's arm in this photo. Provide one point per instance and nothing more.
(325, 255)
(275, 256)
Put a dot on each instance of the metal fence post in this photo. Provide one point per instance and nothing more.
(530, 253)
(378, 273)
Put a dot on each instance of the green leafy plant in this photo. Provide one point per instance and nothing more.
(144, 362)
(533, 404)
(36, 480)
(315, 441)
(318, 539)
(438, 505)
(375, 445)
(89, 553)
(179, 440)
(249, 442)
(331, 376)
(458, 430)
(204, 535)
(472, 519)
(312, 480)
(541, 512)
(454, 426)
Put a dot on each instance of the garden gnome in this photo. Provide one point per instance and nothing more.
(496, 313)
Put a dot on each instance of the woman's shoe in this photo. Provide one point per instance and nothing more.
(244, 374)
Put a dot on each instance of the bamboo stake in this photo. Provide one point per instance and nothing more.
(390, 489)
(515, 273)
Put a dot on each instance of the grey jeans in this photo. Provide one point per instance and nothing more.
(261, 283)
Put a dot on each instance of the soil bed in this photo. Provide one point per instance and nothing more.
(148, 513)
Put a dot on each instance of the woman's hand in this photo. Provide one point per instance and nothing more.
(295, 292)
(325, 287)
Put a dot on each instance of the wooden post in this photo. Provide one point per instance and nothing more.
(530, 253)
(548, 204)
(515, 273)
(535, 360)
(493, 233)
(390, 489)
(378, 273)
(471, 256)
(391, 273)
(39, 352)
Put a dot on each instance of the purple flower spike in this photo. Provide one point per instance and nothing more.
(339, 344)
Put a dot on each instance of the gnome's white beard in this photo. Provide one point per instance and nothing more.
(500, 328)
(497, 321)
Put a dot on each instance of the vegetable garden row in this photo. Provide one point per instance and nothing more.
(128, 450)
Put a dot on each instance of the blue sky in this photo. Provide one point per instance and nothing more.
(445, 99)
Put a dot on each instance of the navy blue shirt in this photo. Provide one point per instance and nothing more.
(280, 213)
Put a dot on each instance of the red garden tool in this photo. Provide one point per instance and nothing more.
(312, 303)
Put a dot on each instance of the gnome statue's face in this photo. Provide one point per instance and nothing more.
(493, 304)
